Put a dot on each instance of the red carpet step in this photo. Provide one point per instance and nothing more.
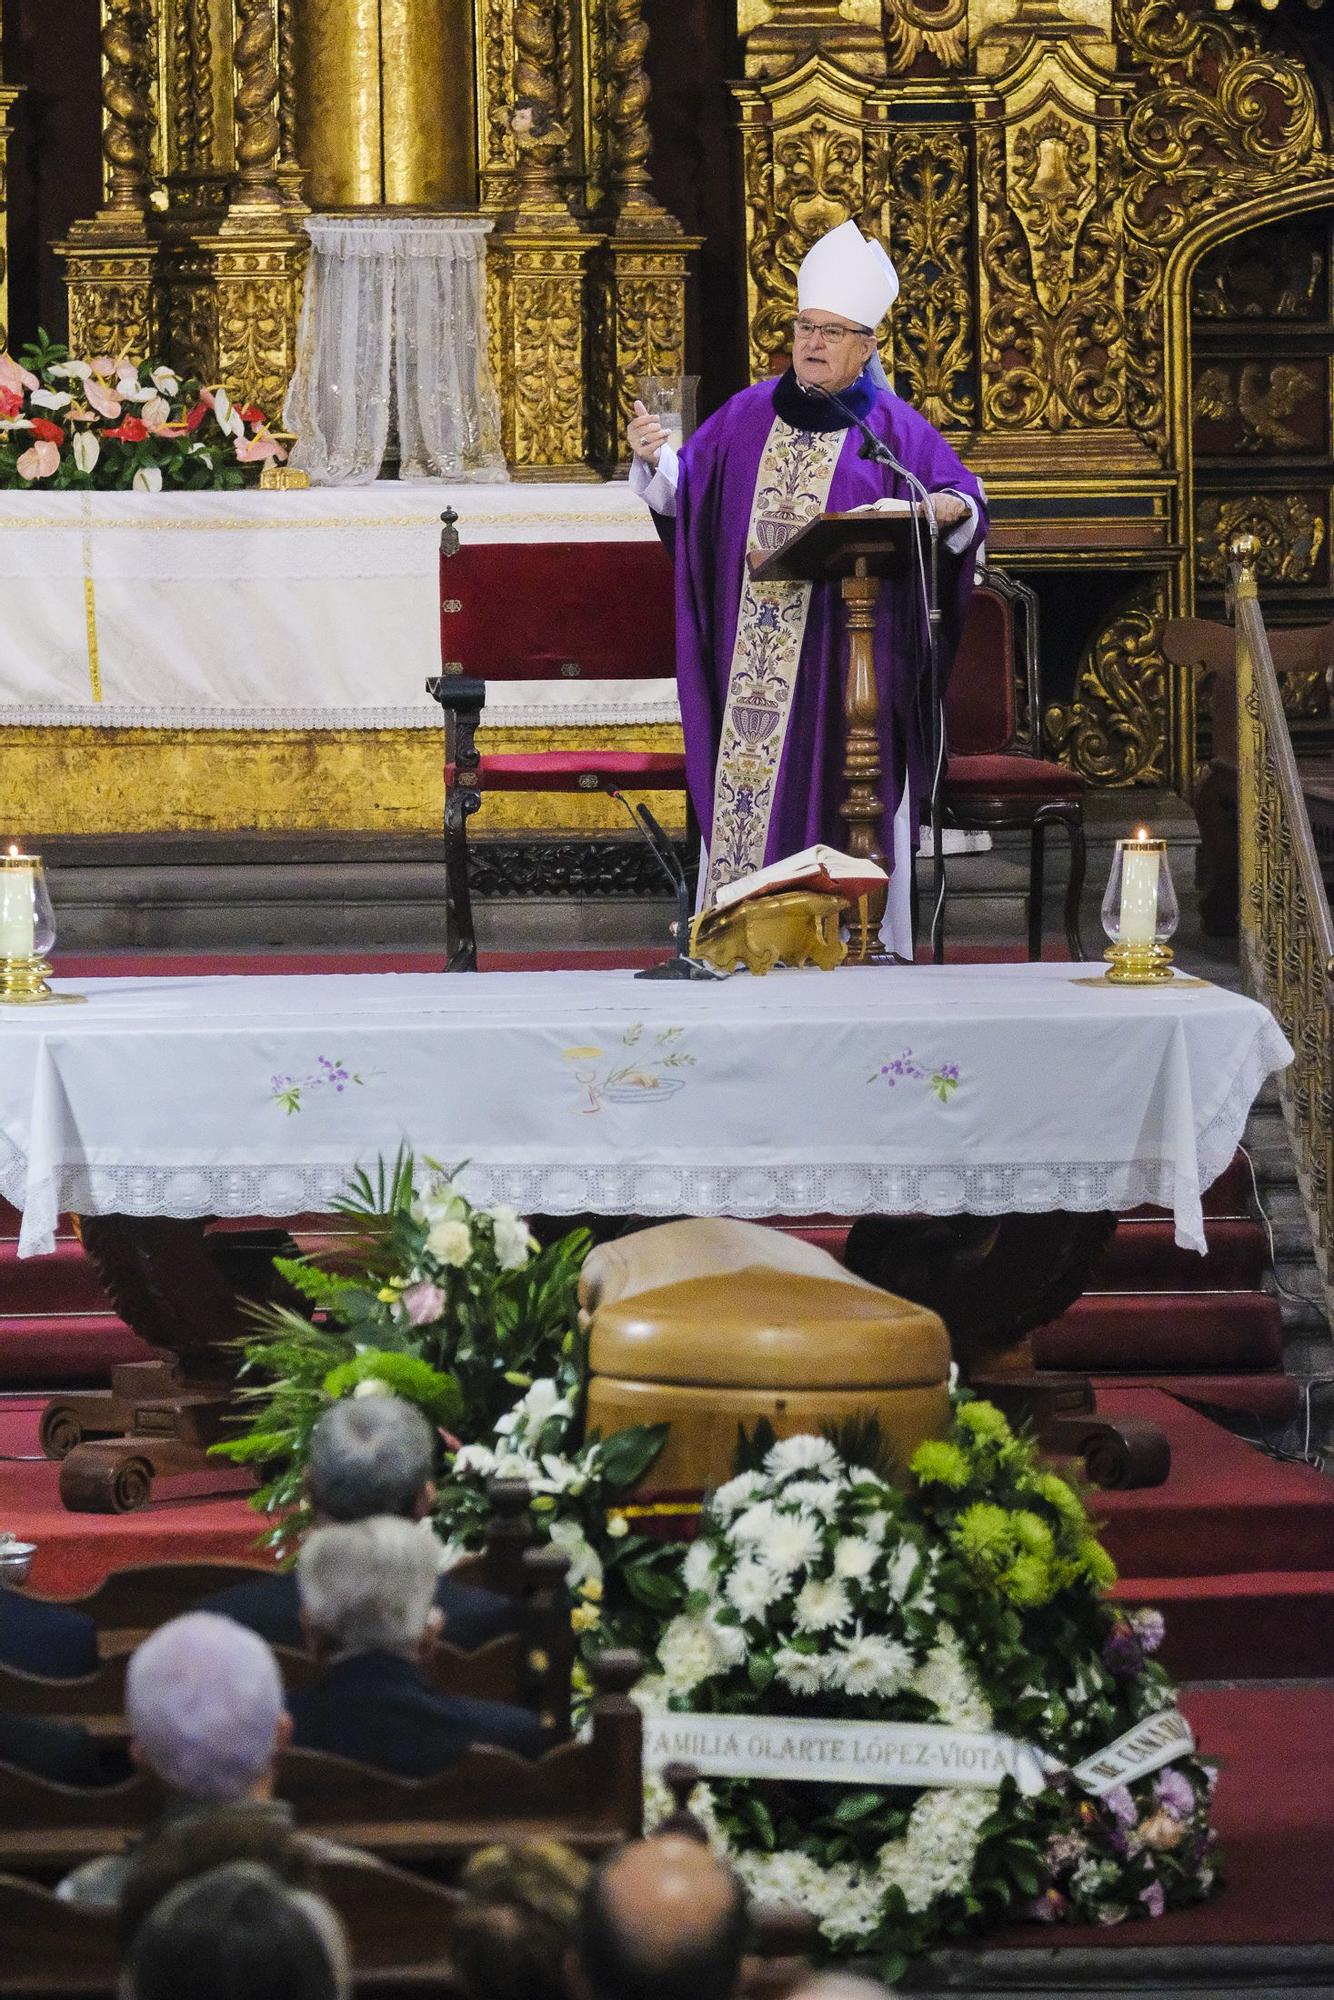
(1164, 1332)
(1144, 1256)
(1236, 1550)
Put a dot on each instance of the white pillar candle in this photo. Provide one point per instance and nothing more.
(16, 911)
(1139, 892)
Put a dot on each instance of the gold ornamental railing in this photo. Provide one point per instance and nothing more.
(1287, 934)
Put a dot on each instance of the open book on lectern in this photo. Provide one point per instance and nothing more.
(821, 869)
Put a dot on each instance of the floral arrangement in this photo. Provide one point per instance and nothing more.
(969, 1594)
(68, 425)
(824, 1582)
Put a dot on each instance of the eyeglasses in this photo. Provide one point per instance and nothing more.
(833, 336)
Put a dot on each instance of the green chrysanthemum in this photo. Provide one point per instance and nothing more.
(1058, 1493)
(984, 1420)
(1096, 1564)
(1033, 1535)
(936, 1464)
(984, 1535)
(1028, 1581)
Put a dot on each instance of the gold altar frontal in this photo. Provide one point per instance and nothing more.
(93, 780)
(713, 1353)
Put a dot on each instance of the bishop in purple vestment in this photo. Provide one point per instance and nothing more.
(761, 669)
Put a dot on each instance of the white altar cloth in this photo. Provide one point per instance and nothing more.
(256, 610)
(977, 1089)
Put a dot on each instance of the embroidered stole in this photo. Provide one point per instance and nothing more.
(796, 471)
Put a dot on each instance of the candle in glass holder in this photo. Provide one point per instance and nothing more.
(1140, 861)
(16, 905)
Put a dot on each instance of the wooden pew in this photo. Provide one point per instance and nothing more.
(530, 1667)
(588, 1794)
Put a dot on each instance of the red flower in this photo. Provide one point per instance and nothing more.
(11, 403)
(130, 430)
(196, 416)
(42, 427)
(251, 415)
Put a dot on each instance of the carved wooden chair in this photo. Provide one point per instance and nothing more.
(997, 779)
(552, 617)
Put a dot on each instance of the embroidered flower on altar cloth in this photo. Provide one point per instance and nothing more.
(330, 1074)
(942, 1081)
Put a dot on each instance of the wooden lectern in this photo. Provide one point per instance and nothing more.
(860, 552)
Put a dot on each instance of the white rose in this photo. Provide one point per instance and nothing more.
(448, 1242)
(688, 1653)
(514, 1241)
(730, 1641)
(86, 450)
(148, 479)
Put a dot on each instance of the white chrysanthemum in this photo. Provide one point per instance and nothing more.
(864, 1664)
(855, 1557)
(822, 1604)
(791, 1541)
(876, 1526)
(945, 1679)
(755, 1524)
(903, 1570)
(688, 1653)
(697, 1569)
(735, 1494)
(752, 1588)
(585, 1562)
(515, 1242)
(817, 1496)
(801, 1454)
(803, 1673)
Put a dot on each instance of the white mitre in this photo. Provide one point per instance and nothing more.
(847, 273)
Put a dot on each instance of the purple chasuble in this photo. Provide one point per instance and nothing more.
(718, 470)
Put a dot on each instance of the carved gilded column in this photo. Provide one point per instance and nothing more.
(109, 259)
(9, 94)
(639, 294)
(233, 260)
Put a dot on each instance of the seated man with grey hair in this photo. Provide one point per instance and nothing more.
(205, 1707)
(368, 1455)
(367, 1605)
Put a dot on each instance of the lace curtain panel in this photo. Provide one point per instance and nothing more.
(393, 336)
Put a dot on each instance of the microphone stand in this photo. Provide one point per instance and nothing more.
(682, 965)
(879, 453)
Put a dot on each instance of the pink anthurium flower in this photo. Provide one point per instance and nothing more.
(102, 399)
(251, 451)
(39, 461)
(14, 377)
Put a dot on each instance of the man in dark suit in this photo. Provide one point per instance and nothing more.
(367, 1593)
(48, 1639)
(368, 1455)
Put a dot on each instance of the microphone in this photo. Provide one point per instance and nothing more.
(682, 965)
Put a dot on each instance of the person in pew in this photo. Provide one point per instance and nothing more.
(64, 1752)
(48, 1639)
(239, 1933)
(513, 1932)
(204, 1704)
(368, 1455)
(368, 1609)
(661, 1919)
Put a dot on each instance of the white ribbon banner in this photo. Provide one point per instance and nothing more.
(898, 1753)
(848, 1753)
(1147, 1747)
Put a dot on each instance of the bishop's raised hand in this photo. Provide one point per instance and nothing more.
(645, 435)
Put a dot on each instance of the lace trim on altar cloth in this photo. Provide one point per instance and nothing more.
(499, 713)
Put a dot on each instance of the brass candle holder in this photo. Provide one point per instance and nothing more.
(27, 933)
(1139, 913)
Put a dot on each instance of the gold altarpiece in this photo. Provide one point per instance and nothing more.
(1051, 176)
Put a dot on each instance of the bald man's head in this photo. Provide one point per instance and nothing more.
(662, 1920)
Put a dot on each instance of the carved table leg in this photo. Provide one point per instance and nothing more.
(181, 1289)
(993, 1279)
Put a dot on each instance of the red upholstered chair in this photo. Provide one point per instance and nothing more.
(542, 611)
(995, 779)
